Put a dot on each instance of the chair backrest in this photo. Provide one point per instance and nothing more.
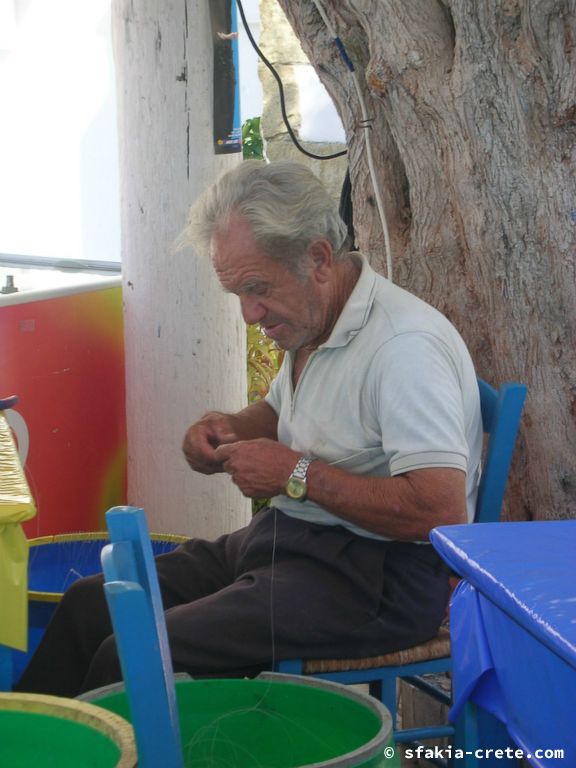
(133, 596)
(501, 414)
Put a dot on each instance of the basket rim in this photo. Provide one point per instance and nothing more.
(58, 538)
(111, 725)
(43, 596)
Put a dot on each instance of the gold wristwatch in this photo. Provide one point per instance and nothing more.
(297, 487)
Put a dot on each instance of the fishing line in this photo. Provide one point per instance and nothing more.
(272, 578)
(207, 738)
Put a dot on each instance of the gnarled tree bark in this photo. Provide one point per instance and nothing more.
(473, 123)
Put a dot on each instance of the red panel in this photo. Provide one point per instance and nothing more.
(64, 358)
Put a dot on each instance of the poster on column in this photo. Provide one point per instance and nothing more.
(227, 126)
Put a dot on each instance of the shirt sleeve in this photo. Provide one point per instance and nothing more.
(416, 392)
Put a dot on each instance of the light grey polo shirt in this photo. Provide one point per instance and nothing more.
(393, 389)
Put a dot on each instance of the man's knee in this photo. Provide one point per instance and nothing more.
(83, 609)
(85, 591)
(105, 666)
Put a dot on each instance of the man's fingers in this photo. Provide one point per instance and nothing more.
(223, 452)
(224, 435)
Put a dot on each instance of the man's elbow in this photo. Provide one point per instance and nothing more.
(453, 514)
(443, 493)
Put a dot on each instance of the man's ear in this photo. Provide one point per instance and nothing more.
(322, 255)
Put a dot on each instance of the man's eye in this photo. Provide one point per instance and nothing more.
(259, 289)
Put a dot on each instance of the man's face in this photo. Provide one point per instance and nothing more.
(288, 308)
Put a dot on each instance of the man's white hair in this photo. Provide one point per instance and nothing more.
(285, 204)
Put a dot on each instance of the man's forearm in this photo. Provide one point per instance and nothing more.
(256, 420)
(404, 507)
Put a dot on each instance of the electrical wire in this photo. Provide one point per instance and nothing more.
(281, 93)
(366, 124)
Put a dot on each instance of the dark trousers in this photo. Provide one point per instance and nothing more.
(279, 588)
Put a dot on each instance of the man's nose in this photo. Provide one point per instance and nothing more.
(252, 309)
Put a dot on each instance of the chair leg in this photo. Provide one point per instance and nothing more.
(387, 694)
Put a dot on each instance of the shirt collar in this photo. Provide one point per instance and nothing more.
(356, 310)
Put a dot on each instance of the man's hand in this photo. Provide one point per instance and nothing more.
(202, 440)
(257, 420)
(260, 468)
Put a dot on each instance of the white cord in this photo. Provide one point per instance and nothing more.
(325, 19)
(370, 159)
(367, 127)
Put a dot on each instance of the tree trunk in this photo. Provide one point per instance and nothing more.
(185, 339)
(473, 108)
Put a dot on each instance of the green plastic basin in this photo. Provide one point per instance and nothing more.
(274, 721)
(52, 732)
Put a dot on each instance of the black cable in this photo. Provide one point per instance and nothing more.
(345, 209)
(281, 92)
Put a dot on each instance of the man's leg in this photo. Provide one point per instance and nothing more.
(81, 623)
(77, 628)
(303, 591)
(293, 590)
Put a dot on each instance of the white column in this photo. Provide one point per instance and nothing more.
(185, 339)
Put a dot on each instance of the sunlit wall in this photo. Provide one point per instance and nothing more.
(58, 149)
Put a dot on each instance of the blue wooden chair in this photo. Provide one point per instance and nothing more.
(501, 413)
(133, 596)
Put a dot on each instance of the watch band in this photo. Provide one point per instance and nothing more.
(297, 487)
(301, 469)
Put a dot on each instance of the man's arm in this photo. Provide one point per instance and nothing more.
(404, 507)
(202, 439)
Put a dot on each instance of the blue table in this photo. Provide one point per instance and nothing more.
(513, 630)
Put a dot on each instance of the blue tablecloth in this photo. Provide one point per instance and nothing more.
(513, 629)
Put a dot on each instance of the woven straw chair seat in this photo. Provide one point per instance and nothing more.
(437, 648)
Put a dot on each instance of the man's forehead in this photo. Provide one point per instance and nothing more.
(240, 269)
(245, 273)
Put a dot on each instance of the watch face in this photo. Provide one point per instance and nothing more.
(296, 488)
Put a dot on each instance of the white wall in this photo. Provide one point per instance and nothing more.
(251, 97)
(58, 150)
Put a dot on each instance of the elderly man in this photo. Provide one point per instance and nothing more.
(369, 437)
